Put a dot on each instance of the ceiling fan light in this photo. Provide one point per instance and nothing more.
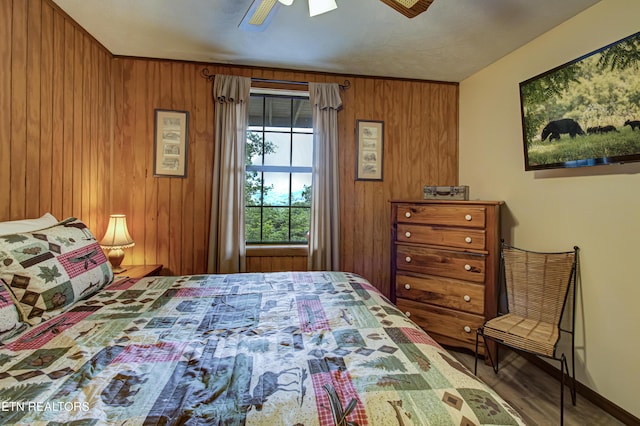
(408, 3)
(286, 2)
(317, 7)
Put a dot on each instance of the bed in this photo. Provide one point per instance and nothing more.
(291, 348)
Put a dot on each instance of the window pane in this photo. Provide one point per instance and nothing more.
(279, 145)
(301, 189)
(256, 104)
(252, 224)
(253, 148)
(277, 201)
(275, 224)
(278, 113)
(300, 219)
(302, 150)
(252, 188)
(276, 191)
(302, 115)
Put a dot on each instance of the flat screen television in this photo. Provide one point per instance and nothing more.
(585, 112)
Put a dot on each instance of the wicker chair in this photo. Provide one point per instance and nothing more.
(540, 289)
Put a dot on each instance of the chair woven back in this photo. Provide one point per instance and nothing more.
(537, 284)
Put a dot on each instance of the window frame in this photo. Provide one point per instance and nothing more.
(258, 247)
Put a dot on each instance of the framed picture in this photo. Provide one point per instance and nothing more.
(171, 127)
(370, 139)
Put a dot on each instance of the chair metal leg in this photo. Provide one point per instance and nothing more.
(487, 352)
(573, 374)
(495, 365)
(475, 364)
(563, 367)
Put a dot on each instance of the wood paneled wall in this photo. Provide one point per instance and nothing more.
(80, 124)
(55, 115)
(269, 260)
(169, 216)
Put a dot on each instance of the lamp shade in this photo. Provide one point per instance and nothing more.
(316, 7)
(117, 235)
(286, 2)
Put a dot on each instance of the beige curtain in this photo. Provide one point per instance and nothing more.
(324, 232)
(226, 231)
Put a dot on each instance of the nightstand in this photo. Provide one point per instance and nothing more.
(140, 271)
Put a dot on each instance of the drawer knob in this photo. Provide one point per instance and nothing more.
(407, 286)
(407, 234)
(407, 214)
(467, 298)
(407, 259)
(467, 267)
(467, 329)
(467, 240)
(408, 314)
(467, 217)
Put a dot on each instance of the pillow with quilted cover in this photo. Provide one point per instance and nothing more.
(27, 225)
(10, 324)
(49, 269)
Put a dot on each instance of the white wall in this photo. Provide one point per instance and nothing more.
(596, 208)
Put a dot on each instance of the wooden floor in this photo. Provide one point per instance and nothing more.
(534, 393)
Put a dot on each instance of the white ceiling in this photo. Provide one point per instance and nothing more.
(449, 42)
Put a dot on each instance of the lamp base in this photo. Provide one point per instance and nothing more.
(115, 258)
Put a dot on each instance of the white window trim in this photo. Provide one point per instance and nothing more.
(293, 249)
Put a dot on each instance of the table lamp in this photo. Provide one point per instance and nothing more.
(116, 238)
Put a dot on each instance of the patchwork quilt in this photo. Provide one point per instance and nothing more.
(295, 348)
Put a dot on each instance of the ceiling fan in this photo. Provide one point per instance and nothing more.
(261, 12)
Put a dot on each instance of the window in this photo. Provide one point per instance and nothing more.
(279, 152)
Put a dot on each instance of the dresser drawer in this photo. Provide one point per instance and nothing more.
(444, 292)
(473, 239)
(458, 325)
(444, 263)
(464, 216)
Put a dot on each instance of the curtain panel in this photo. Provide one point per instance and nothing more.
(324, 231)
(227, 252)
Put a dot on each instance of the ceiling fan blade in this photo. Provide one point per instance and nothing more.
(409, 8)
(259, 15)
(318, 7)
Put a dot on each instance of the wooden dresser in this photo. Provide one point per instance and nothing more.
(444, 266)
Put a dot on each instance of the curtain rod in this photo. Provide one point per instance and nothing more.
(206, 74)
